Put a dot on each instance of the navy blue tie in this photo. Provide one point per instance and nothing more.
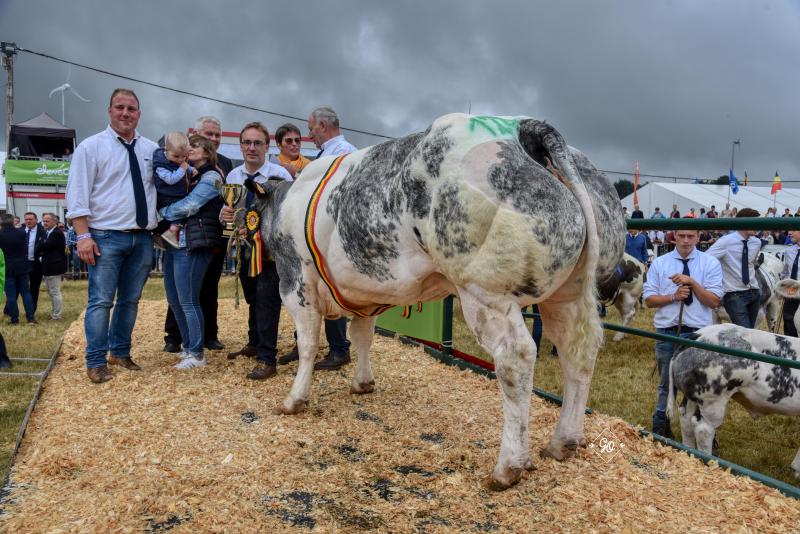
(688, 299)
(250, 194)
(320, 153)
(745, 264)
(138, 186)
(793, 276)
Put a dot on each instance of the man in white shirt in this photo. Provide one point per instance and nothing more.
(323, 128)
(260, 292)
(684, 286)
(112, 203)
(34, 235)
(790, 270)
(737, 252)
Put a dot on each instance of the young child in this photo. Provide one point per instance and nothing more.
(172, 178)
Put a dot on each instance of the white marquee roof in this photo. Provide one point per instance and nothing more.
(697, 196)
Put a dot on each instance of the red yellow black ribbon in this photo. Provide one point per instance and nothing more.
(253, 222)
(319, 261)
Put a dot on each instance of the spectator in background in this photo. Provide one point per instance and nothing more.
(289, 140)
(734, 212)
(706, 240)
(786, 213)
(5, 361)
(18, 224)
(657, 214)
(727, 212)
(712, 213)
(790, 270)
(657, 239)
(771, 212)
(684, 286)
(54, 262)
(17, 269)
(675, 214)
(625, 212)
(636, 245)
(691, 214)
(34, 235)
(702, 213)
(737, 252)
(797, 213)
(637, 213)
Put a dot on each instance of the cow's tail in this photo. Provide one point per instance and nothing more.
(673, 392)
(546, 146)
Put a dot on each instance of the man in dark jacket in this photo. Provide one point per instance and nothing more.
(34, 234)
(13, 245)
(51, 251)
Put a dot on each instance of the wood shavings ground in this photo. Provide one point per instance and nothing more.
(200, 451)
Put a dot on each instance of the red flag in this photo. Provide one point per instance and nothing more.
(636, 185)
(776, 184)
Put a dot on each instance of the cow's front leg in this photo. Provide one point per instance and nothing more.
(307, 322)
(574, 327)
(362, 330)
(688, 410)
(626, 306)
(500, 329)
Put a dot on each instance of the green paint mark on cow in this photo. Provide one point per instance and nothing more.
(496, 126)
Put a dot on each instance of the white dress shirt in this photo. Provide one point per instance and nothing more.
(728, 250)
(703, 268)
(788, 260)
(31, 237)
(268, 170)
(336, 146)
(100, 185)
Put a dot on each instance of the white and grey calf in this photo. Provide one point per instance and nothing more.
(709, 380)
(623, 289)
(788, 289)
(499, 211)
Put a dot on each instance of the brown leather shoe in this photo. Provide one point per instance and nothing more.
(98, 375)
(127, 363)
(247, 350)
(262, 372)
(332, 362)
(289, 358)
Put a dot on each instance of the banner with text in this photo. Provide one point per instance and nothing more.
(20, 171)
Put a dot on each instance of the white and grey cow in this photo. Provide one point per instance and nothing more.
(499, 211)
(623, 289)
(768, 274)
(709, 380)
(788, 289)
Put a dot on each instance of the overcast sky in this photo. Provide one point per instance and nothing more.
(670, 84)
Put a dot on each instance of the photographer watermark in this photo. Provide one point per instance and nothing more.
(606, 445)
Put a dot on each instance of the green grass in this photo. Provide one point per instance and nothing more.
(624, 385)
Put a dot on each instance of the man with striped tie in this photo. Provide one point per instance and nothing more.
(790, 260)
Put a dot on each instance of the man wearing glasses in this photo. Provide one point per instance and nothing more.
(288, 139)
(261, 292)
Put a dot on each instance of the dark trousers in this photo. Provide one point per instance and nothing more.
(250, 290)
(35, 278)
(742, 307)
(209, 297)
(268, 313)
(336, 332)
(789, 309)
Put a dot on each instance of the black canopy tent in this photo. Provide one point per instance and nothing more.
(42, 136)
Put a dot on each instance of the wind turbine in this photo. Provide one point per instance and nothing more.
(63, 89)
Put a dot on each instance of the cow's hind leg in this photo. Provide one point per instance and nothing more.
(712, 413)
(362, 330)
(626, 305)
(690, 416)
(574, 327)
(500, 329)
(307, 322)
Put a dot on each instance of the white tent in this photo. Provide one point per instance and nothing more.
(686, 196)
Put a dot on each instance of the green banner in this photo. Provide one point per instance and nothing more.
(27, 171)
(426, 324)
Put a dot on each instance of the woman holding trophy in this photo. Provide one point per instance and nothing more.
(185, 266)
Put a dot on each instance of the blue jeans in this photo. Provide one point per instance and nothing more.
(121, 269)
(664, 351)
(183, 278)
(15, 286)
(336, 333)
(742, 307)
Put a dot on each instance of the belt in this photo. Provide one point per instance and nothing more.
(135, 231)
(684, 329)
(745, 290)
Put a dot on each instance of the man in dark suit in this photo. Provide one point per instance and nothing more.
(12, 243)
(209, 127)
(35, 234)
(51, 251)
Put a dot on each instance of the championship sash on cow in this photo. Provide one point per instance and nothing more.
(319, 261)
(253, 223)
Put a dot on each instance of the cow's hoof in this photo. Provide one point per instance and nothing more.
(529, 466)
(560, 452)
(361, 389)
(583, 443)
(509, 477)
(295, 408)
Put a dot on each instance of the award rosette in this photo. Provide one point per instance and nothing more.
(253, 224)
